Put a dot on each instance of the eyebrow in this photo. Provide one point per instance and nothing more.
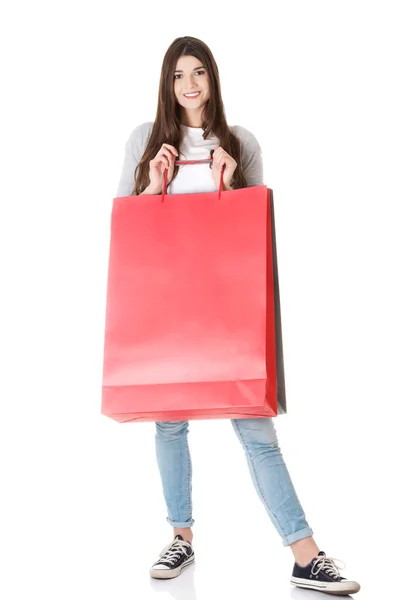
(196, 69)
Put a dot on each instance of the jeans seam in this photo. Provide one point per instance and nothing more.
(188, 476)
(257, 480)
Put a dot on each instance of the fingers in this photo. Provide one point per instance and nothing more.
(218, 155)
(165, 156)
(223, 160)
(160, 159)
(171, 148)
(220, 158)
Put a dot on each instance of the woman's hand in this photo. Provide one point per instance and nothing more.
(164, 159)
(221, 158)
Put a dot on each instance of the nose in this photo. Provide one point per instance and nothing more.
(191, 83)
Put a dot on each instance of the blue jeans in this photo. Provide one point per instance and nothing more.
(267, 469)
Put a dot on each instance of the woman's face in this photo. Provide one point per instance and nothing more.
(191, 76)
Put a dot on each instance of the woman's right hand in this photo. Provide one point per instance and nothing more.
(165, 158)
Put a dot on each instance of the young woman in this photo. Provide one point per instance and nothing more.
(190, 124)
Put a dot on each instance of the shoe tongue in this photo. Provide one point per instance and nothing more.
(178, 537)
(320, 553)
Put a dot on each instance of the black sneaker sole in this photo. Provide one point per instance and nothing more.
(171, 573)
(343, 588)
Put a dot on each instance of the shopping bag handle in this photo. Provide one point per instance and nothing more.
(193, 162)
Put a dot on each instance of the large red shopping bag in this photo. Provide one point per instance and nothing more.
(193, 327)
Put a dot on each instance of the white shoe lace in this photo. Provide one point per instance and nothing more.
(328, 565)
(173, 551)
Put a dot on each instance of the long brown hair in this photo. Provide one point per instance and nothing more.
(166, 128)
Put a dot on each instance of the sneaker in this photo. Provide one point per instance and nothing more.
(323, 575)
(175, 557)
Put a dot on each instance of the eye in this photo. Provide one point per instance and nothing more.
(179, 74)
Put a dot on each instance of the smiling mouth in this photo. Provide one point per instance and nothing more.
(194, 95)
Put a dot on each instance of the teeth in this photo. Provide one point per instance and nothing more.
(191, 95)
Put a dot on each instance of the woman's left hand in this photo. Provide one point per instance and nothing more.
(221, 158)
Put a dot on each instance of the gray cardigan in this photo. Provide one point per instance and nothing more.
(251, 157)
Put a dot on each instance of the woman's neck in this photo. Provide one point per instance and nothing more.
(191, 119)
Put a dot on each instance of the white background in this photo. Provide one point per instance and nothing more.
(82, 513)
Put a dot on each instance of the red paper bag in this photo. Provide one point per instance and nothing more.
(192, 317)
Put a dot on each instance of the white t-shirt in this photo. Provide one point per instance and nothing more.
(196, 178)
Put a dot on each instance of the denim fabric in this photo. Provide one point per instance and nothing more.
(268, 472)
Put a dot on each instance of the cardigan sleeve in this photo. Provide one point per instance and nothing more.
(134, 149)
(252, 161)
